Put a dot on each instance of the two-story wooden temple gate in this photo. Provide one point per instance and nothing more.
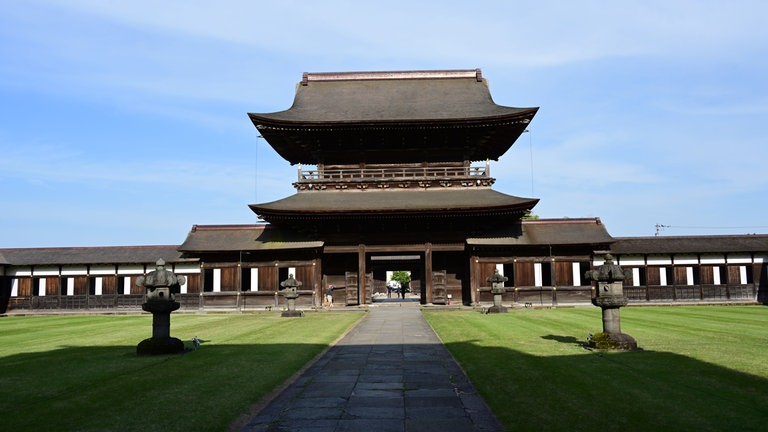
(394, 173)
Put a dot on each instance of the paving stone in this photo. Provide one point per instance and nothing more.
(389, 373)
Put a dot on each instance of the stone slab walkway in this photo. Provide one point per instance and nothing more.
(389, 373)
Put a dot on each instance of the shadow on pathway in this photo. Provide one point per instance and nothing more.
(389, 373)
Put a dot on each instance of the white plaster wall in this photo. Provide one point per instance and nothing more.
(576, 274)
(74, 271)
(712, 259)
(537, 279)
(183, 287)
(216, 280)
(20, 271)
(186, 268)
(660, 260)
(686, 259)
(632, 260)
(739, 259)
(46, 271)
(743, 274)
(689, 275)
(103, 270)
(130, 269)
(254, 279)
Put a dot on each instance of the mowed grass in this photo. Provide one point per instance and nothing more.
(68, 373)
(701, 368)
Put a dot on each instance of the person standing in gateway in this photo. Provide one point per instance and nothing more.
(329, 296)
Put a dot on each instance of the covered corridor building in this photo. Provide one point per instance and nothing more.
(394, 174)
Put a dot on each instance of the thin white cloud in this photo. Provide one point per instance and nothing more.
(656, 101)
(54, 164)
(552, 32)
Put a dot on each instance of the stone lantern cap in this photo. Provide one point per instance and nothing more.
(290, 286)
(497, 277)
(291, 282)
(497, 282)
(160, 282)
(607, 272)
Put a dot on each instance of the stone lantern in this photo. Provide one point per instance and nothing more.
(497, 289)
(609, 296)
(160, 285)
(291, 293)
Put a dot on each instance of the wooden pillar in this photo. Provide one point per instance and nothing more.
(427, 278)
(474, 284)
(361, 274)
(317, 282)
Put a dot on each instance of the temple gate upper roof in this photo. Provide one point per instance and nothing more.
(393, 117)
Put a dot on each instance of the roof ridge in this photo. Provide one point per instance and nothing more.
(389, 75)
(75, 248)
(223, 227)
(595, 220)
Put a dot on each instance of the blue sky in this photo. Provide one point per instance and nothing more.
(125, 123)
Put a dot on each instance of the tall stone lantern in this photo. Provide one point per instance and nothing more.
(497, 289)
(160, 285)
(609, 296)
(291, 293)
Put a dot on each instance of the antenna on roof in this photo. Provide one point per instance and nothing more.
(660, 228)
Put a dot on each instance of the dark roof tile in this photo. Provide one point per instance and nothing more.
(91, 255)
(220, 238)
(691, 244)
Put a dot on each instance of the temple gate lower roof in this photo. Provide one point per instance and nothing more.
(542, 232)
(579, 231)
(223, 238)
(395, 202)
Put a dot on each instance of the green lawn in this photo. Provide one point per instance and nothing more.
(69, 373)
(700, 368)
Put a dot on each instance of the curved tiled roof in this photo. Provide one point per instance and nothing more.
(382, 117)
(691, 244)
(548, 232)
(394, 202)
(382, 98)
(222, 238)
(91, 255)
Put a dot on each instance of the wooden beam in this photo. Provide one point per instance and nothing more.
(428, 271)
(361, 274)
(474, 283)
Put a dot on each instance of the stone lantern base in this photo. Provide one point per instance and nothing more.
(161, 341)
(292, 313)
(497, 292)
(612, 341)
(290, 297)
(160, 346)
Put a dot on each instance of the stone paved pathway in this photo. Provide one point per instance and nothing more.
(389, 373)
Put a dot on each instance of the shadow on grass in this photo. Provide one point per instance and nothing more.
(570, 340)
(110, 388)
(638, 390)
